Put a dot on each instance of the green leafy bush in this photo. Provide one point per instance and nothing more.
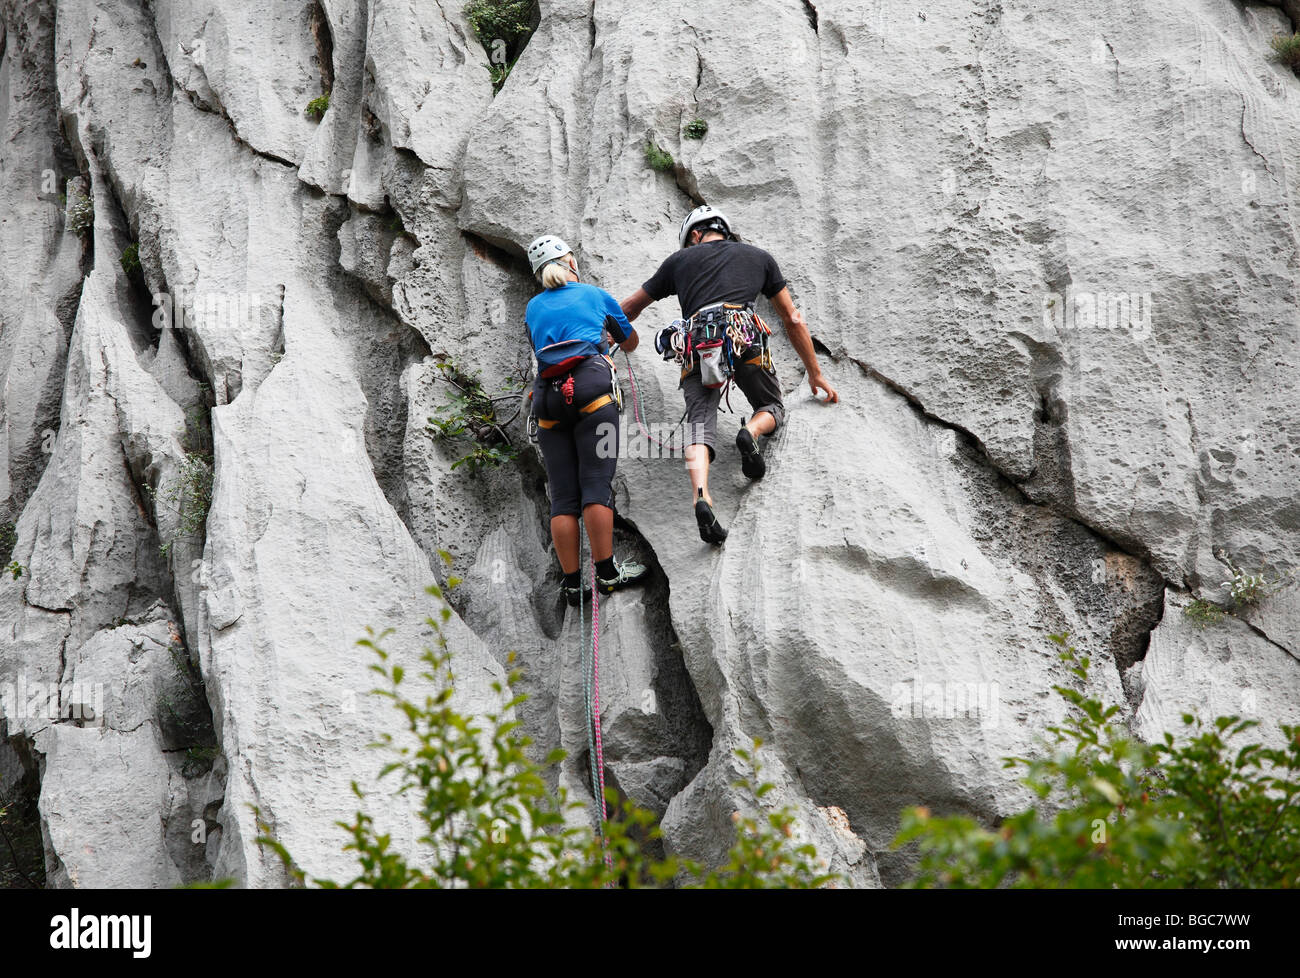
(696, 129)
(318, 106)
(657, 159)
(1113, 811)
(1286, 49)
(503, 27)
(487, 819)
(470, 419)
(509, 21)
(131, 259)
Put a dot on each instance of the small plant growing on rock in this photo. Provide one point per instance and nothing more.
(1286, 49)
(470, 418)
(657, 159)
(1247, 590)
(16, 569)
(1204, 613)
(131, 259)
(80, 212)
(696, 129)
(318, 106)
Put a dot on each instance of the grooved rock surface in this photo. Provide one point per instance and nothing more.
(1047, 254)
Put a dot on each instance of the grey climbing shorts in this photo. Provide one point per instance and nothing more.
(760, 387)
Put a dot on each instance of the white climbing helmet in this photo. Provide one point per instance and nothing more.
(701, 215)
(546, 249)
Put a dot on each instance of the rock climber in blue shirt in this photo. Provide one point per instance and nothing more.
(575, 402)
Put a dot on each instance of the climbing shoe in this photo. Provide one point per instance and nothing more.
(751, 459)
(626, 574)
(711, 531)
(575, 595)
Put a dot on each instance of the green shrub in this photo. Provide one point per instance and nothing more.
(499, 74)
(131, 259)
(1126, 814)
(1286, 49)
(696, 129)
(80, 211)
(657, 159)
(318, 106)
(488, 821)
(1204, 613)
(508, 21)
(470, 419)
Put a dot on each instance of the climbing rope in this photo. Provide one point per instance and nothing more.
(636, 407)
(591, 692)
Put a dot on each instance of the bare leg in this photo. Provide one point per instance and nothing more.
(697, 464)
(600, 531)
(761, 424)
(564, 531)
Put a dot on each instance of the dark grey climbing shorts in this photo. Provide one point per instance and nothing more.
(761, 389)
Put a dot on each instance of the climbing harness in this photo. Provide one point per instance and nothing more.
(564, 383)
(716, 338)
(591, 691)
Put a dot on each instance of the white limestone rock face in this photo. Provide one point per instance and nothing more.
(1046, 252)
(1212, 670)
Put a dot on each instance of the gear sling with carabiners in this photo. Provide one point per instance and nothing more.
(722, 337)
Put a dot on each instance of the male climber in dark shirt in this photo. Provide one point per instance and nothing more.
(710, 268)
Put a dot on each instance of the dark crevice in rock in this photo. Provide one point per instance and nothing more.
(686, 732)
(324, 38)
(135, 303)
(22, 849)
(382, 354)
(503, 254)
(811, 13)
(1270, 640)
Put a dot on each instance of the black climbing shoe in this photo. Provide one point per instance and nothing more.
(629, 573)
(751, 459)
(571, 595)
(711, 531)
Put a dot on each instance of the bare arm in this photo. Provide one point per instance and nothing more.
(635, 304)
(801, 339)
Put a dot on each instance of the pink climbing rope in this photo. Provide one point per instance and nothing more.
(636, 405)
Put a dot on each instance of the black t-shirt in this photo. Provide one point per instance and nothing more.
(715, 271)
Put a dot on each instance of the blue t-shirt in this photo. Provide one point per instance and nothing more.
(571, 321)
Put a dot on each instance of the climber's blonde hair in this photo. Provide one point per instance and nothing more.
(556, 273)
